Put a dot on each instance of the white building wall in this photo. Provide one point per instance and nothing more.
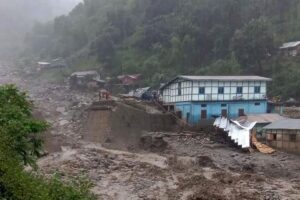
(190, 91)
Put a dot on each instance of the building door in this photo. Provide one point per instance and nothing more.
(187, 117)
(203, 114)
(241, 112)
(224, 113)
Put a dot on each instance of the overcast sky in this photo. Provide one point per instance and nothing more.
(18, 16)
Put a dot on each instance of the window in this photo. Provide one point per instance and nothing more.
(293, 137)
(203, 114)
(239, 90)
(203, 105)
(275, 137)
(257, 104)
(201, 90)
(221, 90)
(179, 89)
(223, 105)
(257, 89)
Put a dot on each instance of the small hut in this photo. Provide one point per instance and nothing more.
(284, 135)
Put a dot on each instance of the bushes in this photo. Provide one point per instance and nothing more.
(20, 144)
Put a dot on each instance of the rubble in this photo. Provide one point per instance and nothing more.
(185, 165)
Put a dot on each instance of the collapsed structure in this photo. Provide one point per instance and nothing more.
(239, 133)
(290, 48)
(86, 79)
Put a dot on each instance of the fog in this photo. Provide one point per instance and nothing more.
(18, 16)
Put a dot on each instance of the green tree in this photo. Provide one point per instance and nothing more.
(253, 44)
(20, 144)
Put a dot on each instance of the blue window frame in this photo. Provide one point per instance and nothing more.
(221, 90)
(239, 90)
(257, 89)
(201, 90)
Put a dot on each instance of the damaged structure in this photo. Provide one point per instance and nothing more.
(284, 135)
(261, 120)
(200, 99)
(86, 79)
(290, 48)
(237, 132)
(144, 94)
(55, 63)
(130, 79)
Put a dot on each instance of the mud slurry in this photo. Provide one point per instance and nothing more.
(190, 168)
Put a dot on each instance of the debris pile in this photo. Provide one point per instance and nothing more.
(192, 166)
(239, 133)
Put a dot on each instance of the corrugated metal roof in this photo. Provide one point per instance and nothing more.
(140, 91)
(85, 73)
(43, 63)
(226, 78)
(133, 76)
(288, 124)
(262, 118)
(290, 45)
(217, 78)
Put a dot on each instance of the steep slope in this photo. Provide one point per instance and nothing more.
(163, 38)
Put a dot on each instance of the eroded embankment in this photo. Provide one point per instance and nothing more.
(121, 124)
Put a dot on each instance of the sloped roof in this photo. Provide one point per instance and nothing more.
(226, 78)
(43, 63)
(290, 45)
(85, 73)
(133, 76)
(218, 78)
(286, 124)
(262, 118)
(140, 91)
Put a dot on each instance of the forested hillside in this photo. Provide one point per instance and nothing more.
(163, 38)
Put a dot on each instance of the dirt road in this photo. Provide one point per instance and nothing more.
(190, 168)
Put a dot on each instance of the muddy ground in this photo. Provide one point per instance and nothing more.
(191, 167)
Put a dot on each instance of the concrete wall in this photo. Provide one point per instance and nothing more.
(281, 139)
(192, 110)
(124, 124)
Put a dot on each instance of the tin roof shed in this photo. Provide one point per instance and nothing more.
(285, 124)
(262, 118)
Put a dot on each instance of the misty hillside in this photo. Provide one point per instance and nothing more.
(17, 17)
(163, 38)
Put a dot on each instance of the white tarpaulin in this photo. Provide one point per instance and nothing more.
(238, 132)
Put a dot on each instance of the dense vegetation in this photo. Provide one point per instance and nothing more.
(163, 38)
(20, 145)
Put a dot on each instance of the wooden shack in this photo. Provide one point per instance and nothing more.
(284, 135)
(290, 48)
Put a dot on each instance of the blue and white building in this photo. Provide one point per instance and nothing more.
(200, 98)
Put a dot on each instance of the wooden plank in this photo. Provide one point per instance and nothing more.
(261, 147)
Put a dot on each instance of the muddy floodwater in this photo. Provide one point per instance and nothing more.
(188, 168)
